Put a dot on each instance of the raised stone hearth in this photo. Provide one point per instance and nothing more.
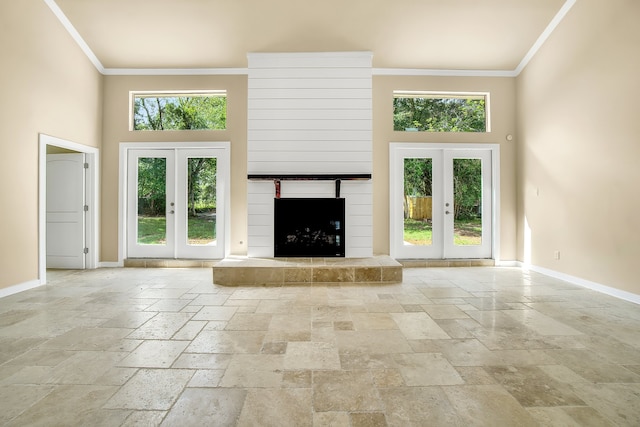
(242, 271)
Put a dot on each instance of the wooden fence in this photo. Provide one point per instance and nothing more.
(418, 207)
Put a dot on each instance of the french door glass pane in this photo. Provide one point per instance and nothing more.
(467, 201)
(152, 200)
(201, 200)
(418, 209)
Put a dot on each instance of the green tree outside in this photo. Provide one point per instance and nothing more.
(439, 114)
(178, 113)
(467, 183)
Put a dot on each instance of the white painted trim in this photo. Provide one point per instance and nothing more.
(175, 71)
(75, 35)
(5, 292)
(393, 196)
(446, 146)
(598, 287)
(110, 264)
(442, 73)
(507, 263)
(545, 35)
(122, 200)
(394, 147)
(92, 228)
(244, 71)
(557, 19)
(219, 93)
(444, 94)
(495, 209)
(312, 55)
(122, 188)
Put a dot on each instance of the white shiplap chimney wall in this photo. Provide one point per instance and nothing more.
(310, 113)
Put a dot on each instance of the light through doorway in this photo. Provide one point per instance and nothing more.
(441, 202)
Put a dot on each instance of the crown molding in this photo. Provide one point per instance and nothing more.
(75, 35)
(566, 7)
(442, 73)
(174, 71)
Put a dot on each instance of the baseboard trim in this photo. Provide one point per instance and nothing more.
(507, 263)
(110, 264)
(5, 292)
(598, 287)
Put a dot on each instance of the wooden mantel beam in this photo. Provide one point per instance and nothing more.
(310, 177)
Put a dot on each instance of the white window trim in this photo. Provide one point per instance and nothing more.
(445, 94)
(167, 94)
(122, 186)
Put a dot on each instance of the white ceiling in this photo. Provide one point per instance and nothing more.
(426, 34)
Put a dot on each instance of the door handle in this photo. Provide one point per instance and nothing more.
(171, 212)
(447, 212)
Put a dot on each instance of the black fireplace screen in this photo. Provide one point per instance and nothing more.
(309, 227)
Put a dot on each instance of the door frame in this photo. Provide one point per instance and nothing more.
(66, 187)
(395, 174)
(123, 185)
(92, 237)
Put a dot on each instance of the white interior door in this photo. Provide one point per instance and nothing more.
(441, 201)
(65, 211)
(176, 203)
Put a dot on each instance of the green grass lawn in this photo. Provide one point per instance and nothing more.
(417, 232)
(152, 230)
(202, 230)
(466, 232)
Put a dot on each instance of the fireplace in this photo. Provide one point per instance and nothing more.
(309, 227)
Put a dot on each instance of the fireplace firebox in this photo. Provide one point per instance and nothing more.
(309, 227)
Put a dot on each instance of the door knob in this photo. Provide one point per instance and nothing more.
(447, 212)
(171, 212)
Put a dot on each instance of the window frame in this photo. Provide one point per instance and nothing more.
(427, 94)
(220, 93)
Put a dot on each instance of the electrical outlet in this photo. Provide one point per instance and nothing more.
(556, 255)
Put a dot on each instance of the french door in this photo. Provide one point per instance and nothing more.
(175, 203)
(441, 202)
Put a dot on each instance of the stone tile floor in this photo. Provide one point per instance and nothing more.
(447, 346)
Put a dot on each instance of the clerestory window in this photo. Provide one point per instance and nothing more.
(423, 111)
(157, 111)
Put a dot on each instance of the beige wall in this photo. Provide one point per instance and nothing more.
(117, 121)
(579, 147)
(502, 94)
(48, 86)
(576, 139)
(116, 130)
